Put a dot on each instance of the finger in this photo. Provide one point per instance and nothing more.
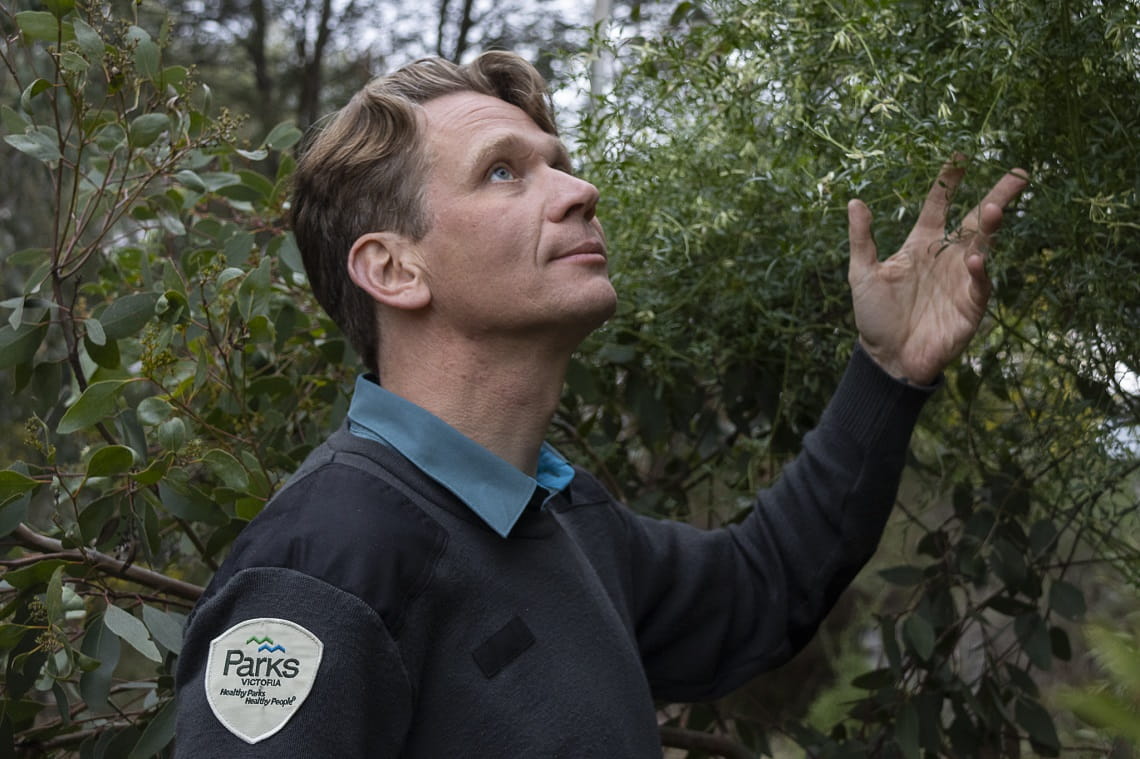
(980, 284)
(864, 254)
(982, 218)
(937, 204)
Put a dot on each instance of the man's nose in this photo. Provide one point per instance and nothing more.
(572, 195)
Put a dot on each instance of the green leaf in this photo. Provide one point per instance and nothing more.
(164, 628)
(89, 40)
(172, 434)
(61, 704)
(95, 331)
(101, 644)
(920, 635)
(53, 599)
(191, 180)
(155, 472)
(154, 410)
(41, 26)
(11, 634)
(617, 354)
(19, 346)
(904, 575)
(875, 679)
(12, 514)
(216, 180)
(106, 356)
(146, 52)
(98, 401)
(60, 8)
(290, 254)
(125, 316)
(681, 10)
(32, 575)
(1106, 711)
(146, 128)
(13, 484)
(16, 122)
(158, 733)
(192, 507)
(113, 459)
(33, 89)
(1033, 718)
(258, 183)
(906, 731)
(228, 469)
(131, 629)
(283, 136)
(1067, 600)
(1059, 644)
(39, 144)
(1034, 636)
(96, 516)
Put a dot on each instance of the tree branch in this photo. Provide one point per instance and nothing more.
(109, 565)
(694, 740)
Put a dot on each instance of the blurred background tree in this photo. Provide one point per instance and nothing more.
(164, 368)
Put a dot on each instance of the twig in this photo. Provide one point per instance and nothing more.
(112, 566)
(693, 740)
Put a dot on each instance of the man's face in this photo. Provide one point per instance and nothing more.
(513, 247)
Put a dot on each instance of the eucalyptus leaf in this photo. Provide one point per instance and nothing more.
(98, 401)
(38, 144)
(131, 629)
(125, 316)
(112, 459)
(164, 628)
(101, 644)
(145, 129)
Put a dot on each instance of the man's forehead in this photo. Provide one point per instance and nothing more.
(469, 125)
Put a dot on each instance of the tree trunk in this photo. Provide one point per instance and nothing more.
(443, 7)
(465, 24)
(600, 68)
(263, 79)
(312, 67)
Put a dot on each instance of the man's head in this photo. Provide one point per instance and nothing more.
(365, 171)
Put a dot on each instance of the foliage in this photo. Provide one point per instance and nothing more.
(1114, 703)
(166, 361)
(726, 153)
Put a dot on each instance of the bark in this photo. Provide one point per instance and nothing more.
(255, 48)
(465, 24)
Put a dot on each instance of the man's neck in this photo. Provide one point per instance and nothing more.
(502, 397)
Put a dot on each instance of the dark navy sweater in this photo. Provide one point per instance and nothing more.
(443, 639)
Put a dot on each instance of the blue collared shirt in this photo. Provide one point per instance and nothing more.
(495, 490)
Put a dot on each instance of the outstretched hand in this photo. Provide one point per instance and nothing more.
(917, 310)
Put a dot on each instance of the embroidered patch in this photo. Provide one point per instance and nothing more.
(258, 674)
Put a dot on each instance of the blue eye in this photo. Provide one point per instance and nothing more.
(501, 174)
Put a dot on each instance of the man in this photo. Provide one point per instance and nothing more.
(436, 581)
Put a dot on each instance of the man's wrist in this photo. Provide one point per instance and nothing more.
(890, 364)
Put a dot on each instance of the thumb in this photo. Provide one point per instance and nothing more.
(864, 254)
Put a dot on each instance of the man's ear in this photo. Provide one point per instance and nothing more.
(386, 266)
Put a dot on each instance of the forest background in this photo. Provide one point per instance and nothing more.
(163, 367)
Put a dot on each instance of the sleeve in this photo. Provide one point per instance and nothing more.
(714, 608)
(278, 664)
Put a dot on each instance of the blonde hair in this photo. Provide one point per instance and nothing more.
(365, 171)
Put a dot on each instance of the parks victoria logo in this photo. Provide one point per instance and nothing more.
(258, 674)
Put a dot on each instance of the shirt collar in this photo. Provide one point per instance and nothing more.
(492, 488)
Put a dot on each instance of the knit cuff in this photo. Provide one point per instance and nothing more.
(869, 400)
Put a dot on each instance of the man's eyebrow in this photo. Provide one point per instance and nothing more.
(506, 145)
